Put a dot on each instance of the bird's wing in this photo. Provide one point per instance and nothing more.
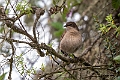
(63, 34)
(62, 38)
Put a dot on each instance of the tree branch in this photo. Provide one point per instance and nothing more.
(18, 30)
(11, 60)
(39, 12)
(69, 60)
(60, 71)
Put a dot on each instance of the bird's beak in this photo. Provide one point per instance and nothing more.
(65, 25)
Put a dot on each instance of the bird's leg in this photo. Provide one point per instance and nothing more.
(64, 53)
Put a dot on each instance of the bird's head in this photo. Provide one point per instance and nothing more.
(71, 24)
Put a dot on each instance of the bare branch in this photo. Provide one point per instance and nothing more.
(85, 67)
(65, 69)
(18, 30)
(11, 60)
(39, 12)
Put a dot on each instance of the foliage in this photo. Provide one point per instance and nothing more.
(22, 67)
(117, 59)
(1, 29)
(69, 8)
(24, 7)
(102, 60)
(110, 32)
(58, 28)
(43, 67)
(116, 4)
(104, 28)
(117, 78)
(2, 76)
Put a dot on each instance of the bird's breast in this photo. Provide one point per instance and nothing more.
(70, 42)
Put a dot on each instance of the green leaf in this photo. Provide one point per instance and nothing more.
(118, 70)
(64, 14)
(117, 31)
(58, 33)
(79, 1)
(116, 4)
(117, 78)
(2, 29)
(117, 59)
(109, 18)
(7, 11)
(55, 1)
(2, 76)
(42, 67)
(119, 15)
(24, 7)
(57, 25)
(50, 45)
(103, 28)
(67, 79)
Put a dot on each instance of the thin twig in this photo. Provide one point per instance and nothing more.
(18, 30)
(18, 17)
(39, 12)
(11, 61)
(60, 71)
(65, 69)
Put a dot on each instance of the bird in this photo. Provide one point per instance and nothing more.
(71, 40)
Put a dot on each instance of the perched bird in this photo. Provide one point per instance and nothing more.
(71, 40)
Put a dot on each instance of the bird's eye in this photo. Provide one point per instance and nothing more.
(69, 24)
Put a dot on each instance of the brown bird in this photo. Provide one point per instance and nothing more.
(71, 40)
